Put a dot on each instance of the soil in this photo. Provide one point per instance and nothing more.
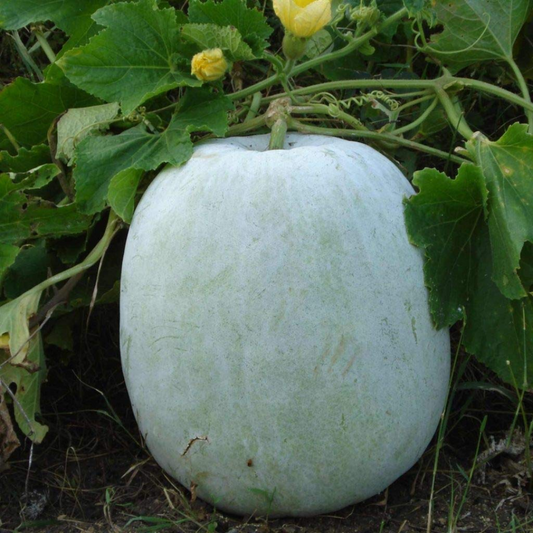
(91, 474)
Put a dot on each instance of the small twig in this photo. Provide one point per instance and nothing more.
(60, 297)
(10, 137)
(45, 45)
(95, 291)
(26, 58)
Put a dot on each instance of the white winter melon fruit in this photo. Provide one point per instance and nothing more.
(275, 330)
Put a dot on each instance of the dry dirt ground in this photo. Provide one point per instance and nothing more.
(90, 474)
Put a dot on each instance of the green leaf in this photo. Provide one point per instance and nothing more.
(99, 159)
(29, 269)
(61, 334)
(318, 44)
(250, 23)
(135, 58)
(28, 109)
(227, 38)
(8, 254)
(76, 124)
(507, 165)
(121, 192)
(477, 30)
(25, 159)
(71, 16)
(444, 218)
(526, 267)
(22, 217)
(66, 14)
(497, 329)
(39, 177)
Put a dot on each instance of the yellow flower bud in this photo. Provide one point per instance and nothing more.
(303, 18)
(209, 65)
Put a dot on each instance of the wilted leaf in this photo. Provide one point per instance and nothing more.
(28, 385)
(8, 438)
(28, 109)
(76, 124)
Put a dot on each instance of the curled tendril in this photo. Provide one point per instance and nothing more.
(335, 105)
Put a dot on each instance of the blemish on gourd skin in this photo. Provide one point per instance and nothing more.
(413, 328)
(348, 366)
(338, 352)
(192, 441)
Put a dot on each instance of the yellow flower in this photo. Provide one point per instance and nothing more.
(303, 18)
(209, 65)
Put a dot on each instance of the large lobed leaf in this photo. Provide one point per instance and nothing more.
(28, 109)
(250, 23)
(447, 219)
(477, 30)
(135, 58)
(71, 16)
(507, 165)
(22, 218)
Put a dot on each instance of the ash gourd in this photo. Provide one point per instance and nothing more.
(275, 330)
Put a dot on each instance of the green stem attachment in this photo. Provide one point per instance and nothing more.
(524, 88)
(254, 106)
(277, 116)
(293, 47)
(277, 135)
(456, 117)
(45, 45)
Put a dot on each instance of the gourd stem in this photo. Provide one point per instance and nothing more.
(419, 120)
(524, 88)
(254, 106)
(321, 109)
(443, 81)
(455, 117)
(277, 134)
(45, 45)
(113, 225)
